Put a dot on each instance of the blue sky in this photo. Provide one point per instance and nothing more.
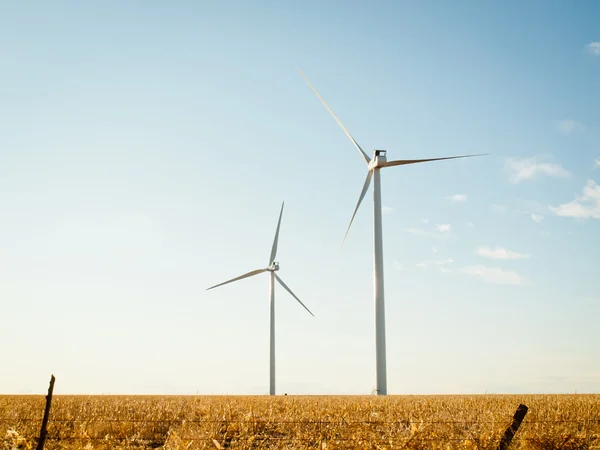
(145, 150)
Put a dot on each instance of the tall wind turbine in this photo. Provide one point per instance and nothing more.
(374, 166)
(271, 268)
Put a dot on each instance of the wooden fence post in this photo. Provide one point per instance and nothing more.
(514, 426)
(43, 431)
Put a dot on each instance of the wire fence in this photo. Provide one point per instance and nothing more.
(138, 425)
(224, 433)
(324, 422)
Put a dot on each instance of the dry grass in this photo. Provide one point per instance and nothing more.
(413, 422)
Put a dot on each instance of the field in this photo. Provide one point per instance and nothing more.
(300, 422)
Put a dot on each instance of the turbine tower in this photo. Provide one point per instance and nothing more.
(374, 166)
(271, 268)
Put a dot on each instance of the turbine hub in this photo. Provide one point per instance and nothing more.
(379, 159)
(274, 267)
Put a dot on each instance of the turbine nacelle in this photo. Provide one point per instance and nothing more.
(273, 267)
(379, 159)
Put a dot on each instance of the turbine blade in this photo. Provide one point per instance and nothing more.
(402, 162)
(290, 291)
(246, 275)
(360, 199)
(274, 248)
(364, 155)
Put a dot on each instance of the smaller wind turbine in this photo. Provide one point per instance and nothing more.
(272, 268)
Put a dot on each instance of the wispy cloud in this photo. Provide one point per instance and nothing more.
(499, 253)
(494, 275)
(597, 163)
(584, 206)
(425, 221)
(593, 48)
(386, 209)
(440, 264)
(399, 267)
(435, 262)
(457, 198)
(537, 217)
(417, 231)
(532, 215)
(422, 232)
(434, 249)
(470, 224)
(442, 231)
(523, 169)
(568, 126)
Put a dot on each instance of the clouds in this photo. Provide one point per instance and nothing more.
(583, 207)
(436, 263)
(499, 253)
(503, 210)
(422, 232)
(537, 217)
(593, 48)
(496, 275)
(457, 198)
(386, 210)
(568, 126)
(493, 275)
(443, 231)
(525, 169)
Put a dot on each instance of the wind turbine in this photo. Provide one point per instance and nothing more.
(271, 268)
(374, 166)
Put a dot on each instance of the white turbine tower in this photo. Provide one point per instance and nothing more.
(374, 165)
(272, 268)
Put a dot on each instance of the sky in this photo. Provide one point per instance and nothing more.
(146, 148)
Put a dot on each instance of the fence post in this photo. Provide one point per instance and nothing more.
(43, 431)
(514, 426)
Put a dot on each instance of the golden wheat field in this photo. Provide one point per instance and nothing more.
(301, 422)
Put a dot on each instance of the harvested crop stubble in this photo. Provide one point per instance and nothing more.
(301, 422)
